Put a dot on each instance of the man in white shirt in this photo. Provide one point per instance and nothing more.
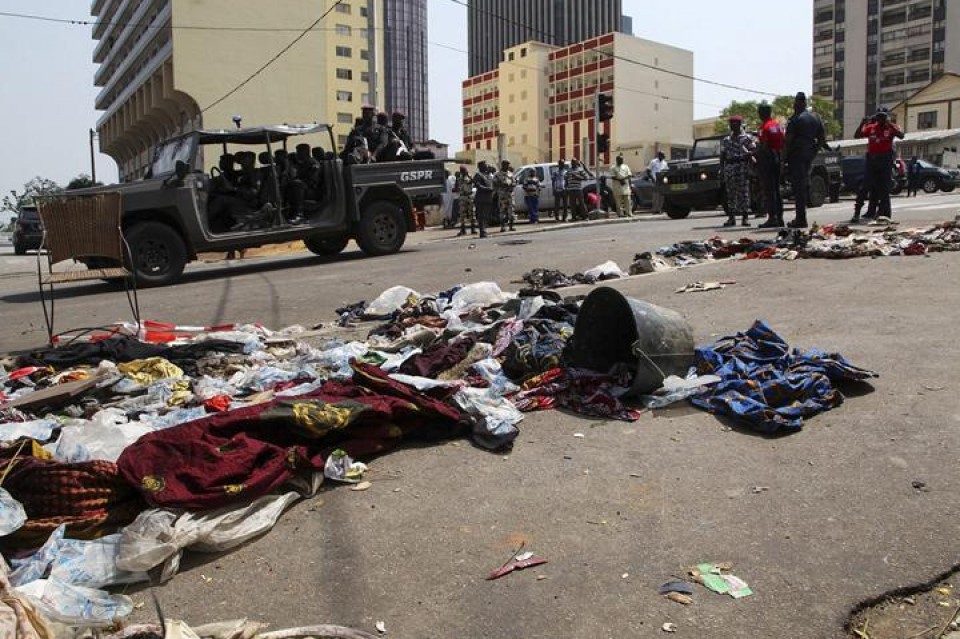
(656, 166)
(621, 175)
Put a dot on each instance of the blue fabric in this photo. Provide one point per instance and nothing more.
(768, 386)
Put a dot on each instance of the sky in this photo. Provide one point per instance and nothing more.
(47, 100)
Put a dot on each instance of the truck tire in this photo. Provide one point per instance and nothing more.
(835, 193)
(930, 185)
(947, 188)
(19, 249)
(676, 211)
(383, 229)
(817, 193)
(159, 254)
(326, 246)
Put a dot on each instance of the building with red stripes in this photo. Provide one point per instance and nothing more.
(539, 103)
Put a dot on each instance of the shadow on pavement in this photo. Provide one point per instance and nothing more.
(259, 265)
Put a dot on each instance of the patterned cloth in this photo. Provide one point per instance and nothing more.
(735, 151)
(233, 457)
(768, 386)
(90, 497)
(536, 348)
(580, 391)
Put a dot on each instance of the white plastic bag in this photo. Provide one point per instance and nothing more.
(12, 515)
(494, 417)
(606, 271)
(76, 605)
(479, 294)
(102, 438)
(390, 301)
(38, 429)
(159, 536)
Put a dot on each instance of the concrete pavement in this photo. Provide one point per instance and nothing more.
(620, 510)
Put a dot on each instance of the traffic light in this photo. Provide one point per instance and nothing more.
(603, 143)
(604, 107)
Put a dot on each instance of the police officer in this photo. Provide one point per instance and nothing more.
(483, 196)
(463, 187)
(504, 182)
(398, 127)
(805, 136)
(768, 166)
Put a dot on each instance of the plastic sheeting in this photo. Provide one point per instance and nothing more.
(158, 537)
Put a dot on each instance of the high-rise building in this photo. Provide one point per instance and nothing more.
(873, 53)
(538, 104)
(158, 78)
(405, 63)
(496, 25)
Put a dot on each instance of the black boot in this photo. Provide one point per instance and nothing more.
(731, 221)
(745, 221)
(799, 223)
(463, 231)
(771, 223)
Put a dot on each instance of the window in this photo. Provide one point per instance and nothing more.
(344, 96)
(342, 140)
(364, 54)
(523, 52)
(363, 12)
(344, 30)
(510, 56)
(523, 116)
(344, 74)
(344, 52)
(927, 120)
(364, 76)
(345, 118)
(345, 8)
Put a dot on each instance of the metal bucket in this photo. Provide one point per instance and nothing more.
(612, 329)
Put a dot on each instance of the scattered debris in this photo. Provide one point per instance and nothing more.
(669, 627)
(920, 486)
(519, 561)
(700, 287)
(718, 578)
(381, 627)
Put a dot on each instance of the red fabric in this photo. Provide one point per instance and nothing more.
(880, 137)
(772, 135)
(217, 404)
(232, 457)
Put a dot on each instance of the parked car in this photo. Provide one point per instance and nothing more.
(854, 168)
(27, 232)
(643, 189)
(548, 201)
(935, 178)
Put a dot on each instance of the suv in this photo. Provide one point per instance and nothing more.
(854, 168)
(696, 183)
(167, 221)
(27, 232)
(546, 173)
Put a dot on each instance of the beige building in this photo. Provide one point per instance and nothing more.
(935, 106)
(539, 103)
(868, 54)
(158, 78)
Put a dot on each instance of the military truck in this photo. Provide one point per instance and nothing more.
(166, 216)
(696, 183)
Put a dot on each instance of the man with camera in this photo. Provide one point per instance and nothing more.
(880, 134)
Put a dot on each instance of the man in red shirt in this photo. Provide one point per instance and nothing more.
(880, 134)
(772, 138)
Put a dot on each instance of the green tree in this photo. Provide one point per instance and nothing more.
(782, 107)
(38, 186)
(82, 181)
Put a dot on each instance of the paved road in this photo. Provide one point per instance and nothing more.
(620, 510)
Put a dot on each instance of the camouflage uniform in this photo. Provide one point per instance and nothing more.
(464, 189)
(504, 183)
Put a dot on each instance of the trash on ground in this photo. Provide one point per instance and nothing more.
(682, 587)
(517, 562)
(669, 627)
(718, 578)
(700, 287)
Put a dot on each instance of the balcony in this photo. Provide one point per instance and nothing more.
(116, 62)
(112, 96)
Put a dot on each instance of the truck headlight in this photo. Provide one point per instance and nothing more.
(704, 176)
(666, 180)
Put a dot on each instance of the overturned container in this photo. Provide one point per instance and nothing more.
(613, 329)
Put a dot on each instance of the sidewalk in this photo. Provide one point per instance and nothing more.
(440, 234)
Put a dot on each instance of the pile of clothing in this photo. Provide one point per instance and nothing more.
(834, 241)
(119, 453)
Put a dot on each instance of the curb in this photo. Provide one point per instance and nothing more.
(528, 229)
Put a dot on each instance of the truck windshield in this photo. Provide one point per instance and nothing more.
(169, 153)
(706, 149)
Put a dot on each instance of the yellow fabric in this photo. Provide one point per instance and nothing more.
(148, 371)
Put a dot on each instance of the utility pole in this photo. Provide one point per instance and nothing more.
(93, 160)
